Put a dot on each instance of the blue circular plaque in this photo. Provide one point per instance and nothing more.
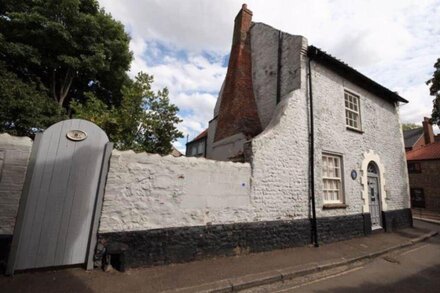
(354, 174)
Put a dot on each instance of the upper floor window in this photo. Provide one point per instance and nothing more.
(332, 178)
(352, 111)
(414, 167)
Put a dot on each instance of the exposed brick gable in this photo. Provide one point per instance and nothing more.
(238, 109)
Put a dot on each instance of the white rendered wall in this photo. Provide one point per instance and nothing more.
(381, 138)
(147, 191)
(280, 154)
(14, 156)
(280, 157)
(265, 42)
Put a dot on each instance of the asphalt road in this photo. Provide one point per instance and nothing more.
(415, 269)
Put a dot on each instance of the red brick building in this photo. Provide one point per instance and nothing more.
(424, 172)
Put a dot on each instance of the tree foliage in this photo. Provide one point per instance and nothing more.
(65, 47)
(24, 108)
(434, 89)
(145, 120)
(409, 126)
(62, 55)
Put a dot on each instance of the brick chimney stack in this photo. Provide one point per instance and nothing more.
(427, 130)
(238, 109)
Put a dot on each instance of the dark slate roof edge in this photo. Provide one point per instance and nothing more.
(411, 136)
(353, 75)
(199, 137)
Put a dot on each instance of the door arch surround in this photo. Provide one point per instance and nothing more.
(374, 195)
(368, 157)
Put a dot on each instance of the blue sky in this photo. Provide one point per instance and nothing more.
(185, 44)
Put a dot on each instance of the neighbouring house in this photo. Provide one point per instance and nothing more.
(418, 137)
(197, 146)
(301, 149)
(175, 152)
(423, 158)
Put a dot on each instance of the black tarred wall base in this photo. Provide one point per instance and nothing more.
(397, 219)
(184, 244)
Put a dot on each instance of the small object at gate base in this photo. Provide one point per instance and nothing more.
(76, 135)
(115, 256)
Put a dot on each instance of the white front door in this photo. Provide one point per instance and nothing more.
(374, 197)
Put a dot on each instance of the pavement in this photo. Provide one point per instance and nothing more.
(412, 269)
(226, 273)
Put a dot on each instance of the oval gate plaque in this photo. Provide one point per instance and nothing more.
(76, 135)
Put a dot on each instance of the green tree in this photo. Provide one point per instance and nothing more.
(24, 108)
(408, 126)
(434, 90)
(145, 120)
(65, 48)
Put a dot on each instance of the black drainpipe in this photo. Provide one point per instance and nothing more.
(280, 48)
(312, 159)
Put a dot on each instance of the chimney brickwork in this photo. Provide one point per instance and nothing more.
(428, 133)
(238, 109)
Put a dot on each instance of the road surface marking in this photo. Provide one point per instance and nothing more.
(321, 279)
(414, 249)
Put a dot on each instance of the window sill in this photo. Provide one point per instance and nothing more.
(354, 130)
(331, 206)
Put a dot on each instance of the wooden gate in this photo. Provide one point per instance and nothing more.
(61, 201)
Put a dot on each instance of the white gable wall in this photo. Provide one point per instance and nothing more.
(381, 134)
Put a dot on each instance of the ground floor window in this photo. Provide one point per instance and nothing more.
(332, 178)
(417, 198)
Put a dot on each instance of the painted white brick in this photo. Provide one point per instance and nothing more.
(14, 156)
(146, 191)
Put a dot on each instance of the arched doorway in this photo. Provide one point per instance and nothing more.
(374, 195)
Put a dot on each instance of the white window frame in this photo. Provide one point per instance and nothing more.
(332, 179)
(352, 104)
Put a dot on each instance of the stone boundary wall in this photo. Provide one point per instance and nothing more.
(183, 244)
(148, 191)
(14, 157)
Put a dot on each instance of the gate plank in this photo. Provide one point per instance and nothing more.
(43, 195)
(59, 184)
(12, 259)
(38, 195)
(81, 211)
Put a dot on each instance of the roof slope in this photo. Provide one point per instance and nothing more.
(411, 136)
(201, 135)
(353, 75)
(428, 152)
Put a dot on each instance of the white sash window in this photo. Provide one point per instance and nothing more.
(332, 178)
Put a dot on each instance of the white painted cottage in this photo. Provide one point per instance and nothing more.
(311, 127)
(317, 151)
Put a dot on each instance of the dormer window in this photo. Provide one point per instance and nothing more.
(352, 111)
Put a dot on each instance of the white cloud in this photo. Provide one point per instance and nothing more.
(395, 42)
(197, 109)
(193, 83)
